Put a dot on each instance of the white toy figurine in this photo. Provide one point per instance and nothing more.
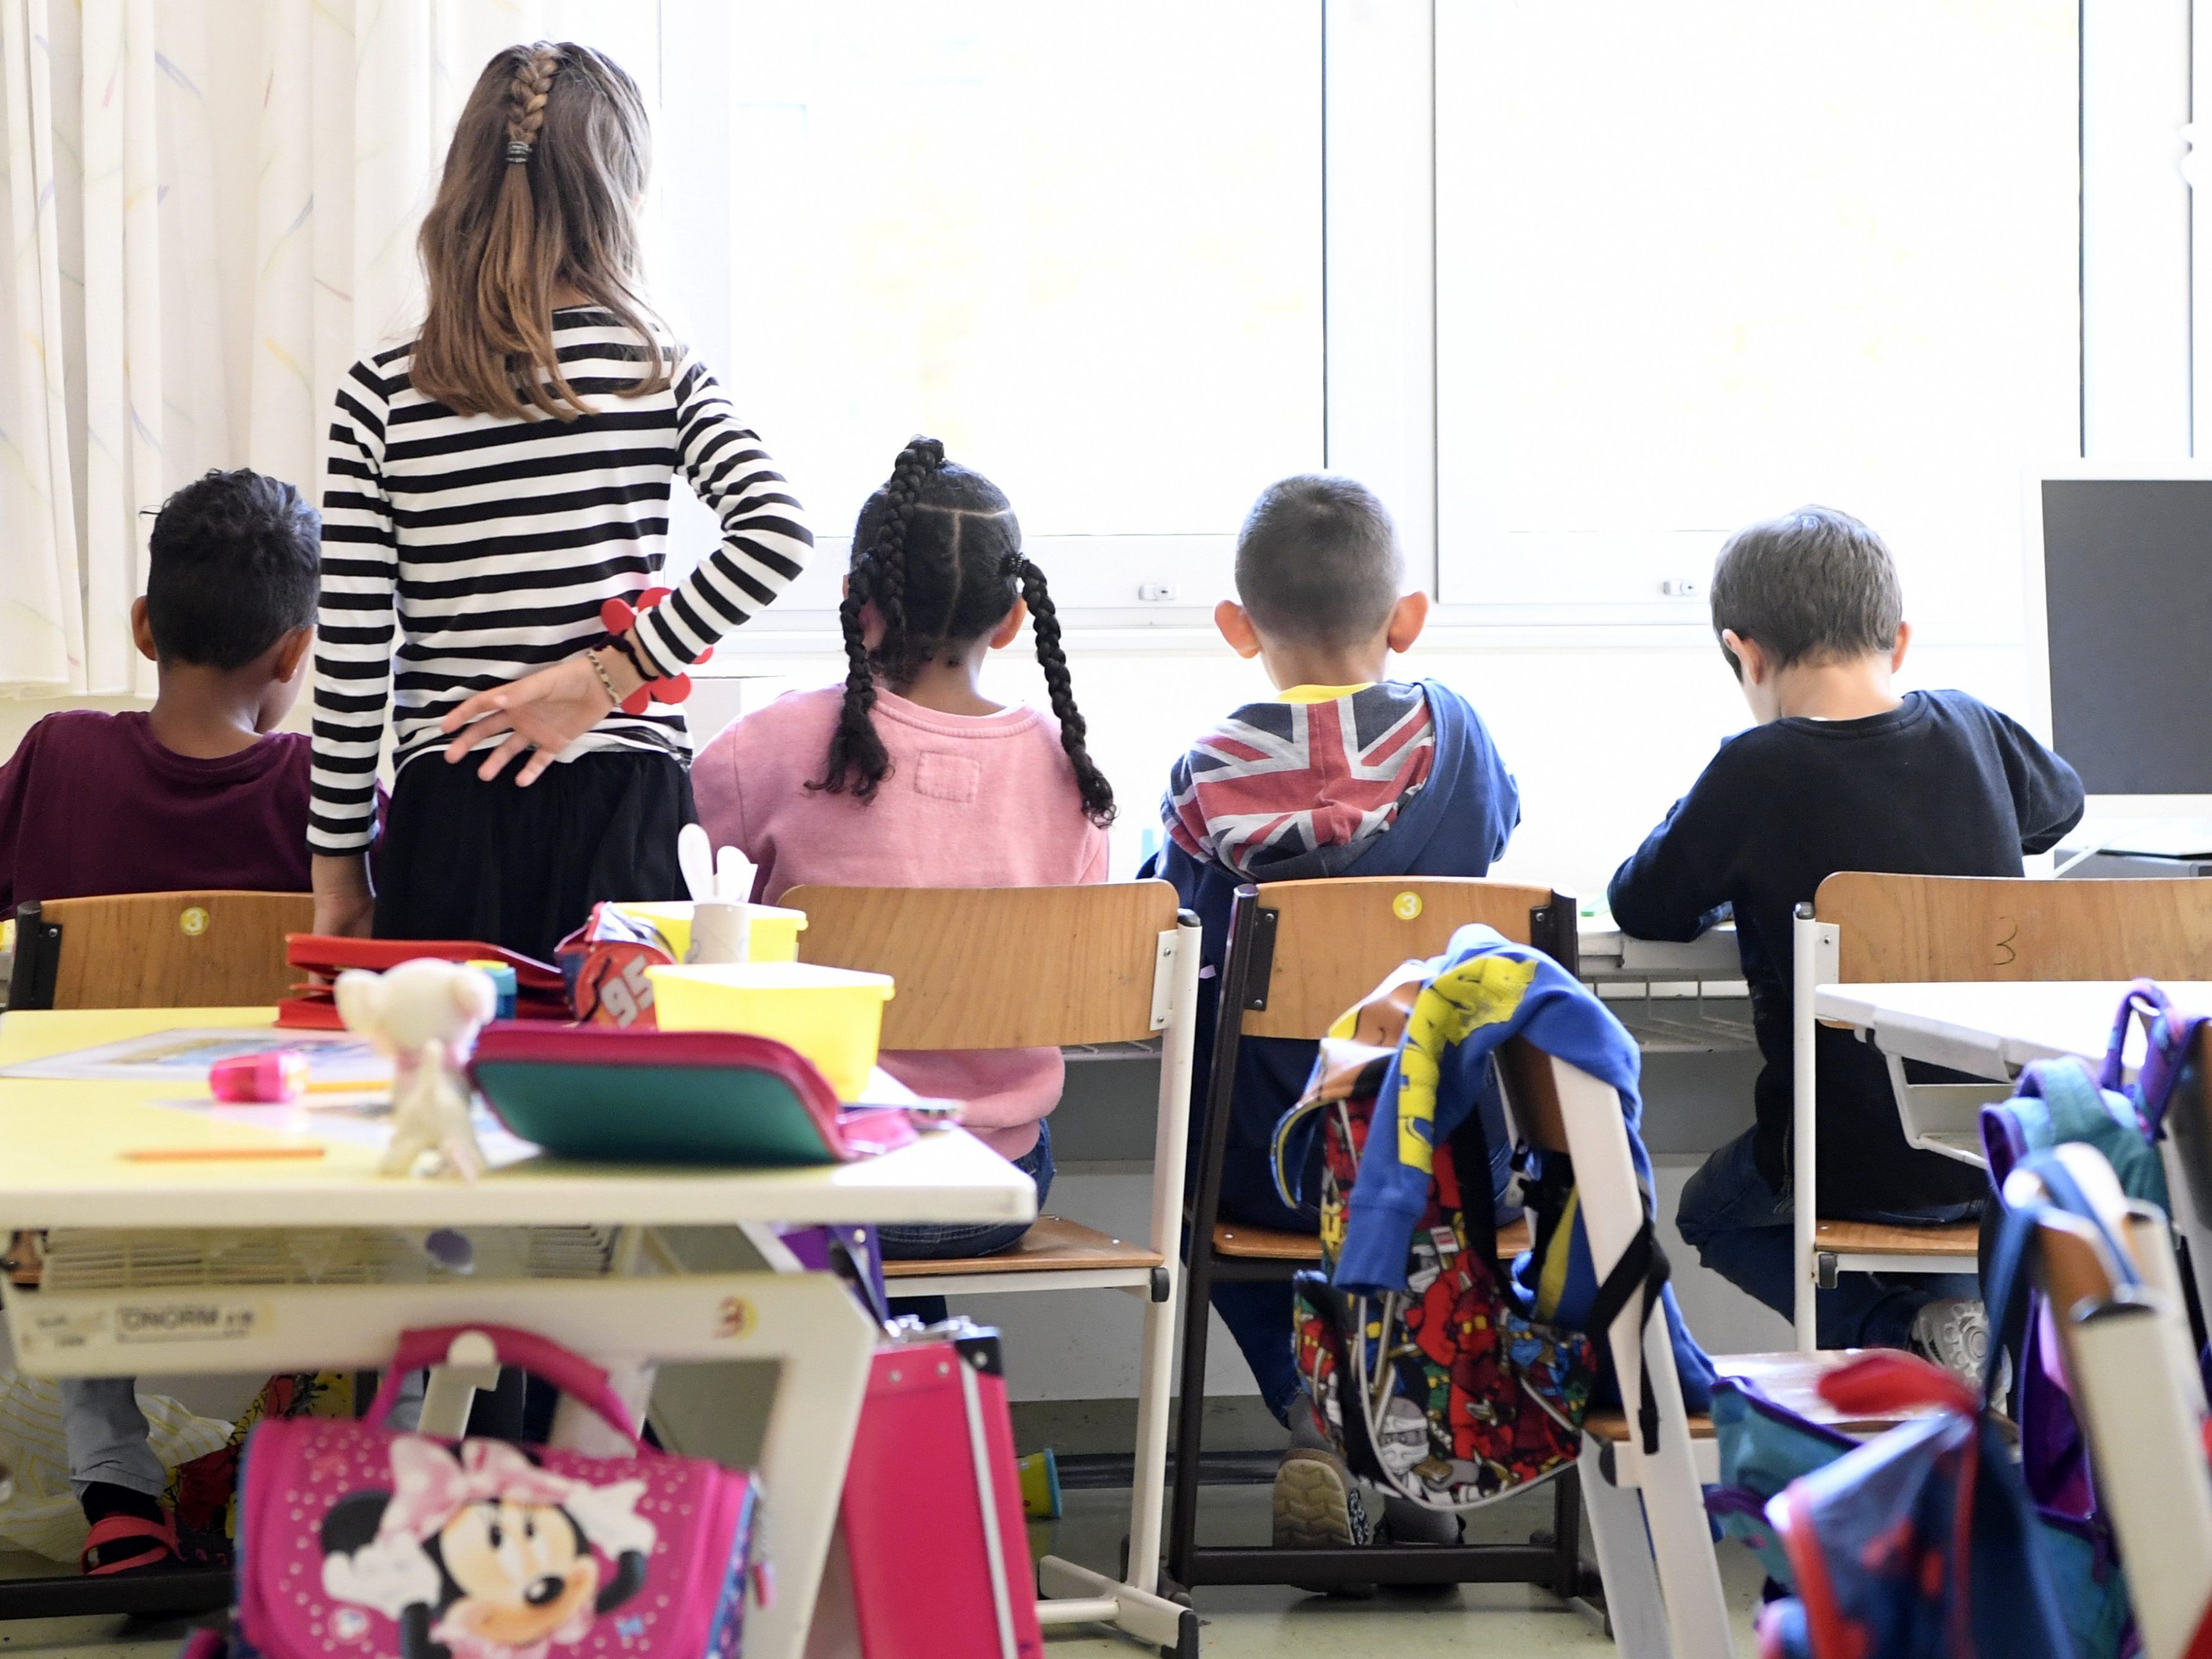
(424, 1015)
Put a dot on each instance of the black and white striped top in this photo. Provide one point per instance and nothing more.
(499, 539)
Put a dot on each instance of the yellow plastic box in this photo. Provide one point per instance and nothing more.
(773, 931)
(833, 1016)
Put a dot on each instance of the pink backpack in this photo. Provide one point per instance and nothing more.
(357, 1541)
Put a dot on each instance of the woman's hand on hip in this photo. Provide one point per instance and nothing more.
(545, 711)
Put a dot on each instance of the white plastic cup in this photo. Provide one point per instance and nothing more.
(719, 933)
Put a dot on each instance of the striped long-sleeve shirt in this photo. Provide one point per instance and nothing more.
(462, 552)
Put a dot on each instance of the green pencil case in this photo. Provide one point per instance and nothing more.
(615, 1095)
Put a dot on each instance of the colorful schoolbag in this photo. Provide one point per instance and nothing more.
(1446, 1395)
(1930, 1540)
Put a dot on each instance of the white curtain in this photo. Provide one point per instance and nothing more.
(211, 208)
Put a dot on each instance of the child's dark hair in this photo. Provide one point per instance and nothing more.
(1318, 561)
(938, 551)
(233, 566)
(1812, 586)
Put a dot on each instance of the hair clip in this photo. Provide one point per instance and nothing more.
(518, 150)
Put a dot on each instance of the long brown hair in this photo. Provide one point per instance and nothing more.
(540, 193)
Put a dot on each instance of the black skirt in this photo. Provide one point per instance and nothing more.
(463, 858)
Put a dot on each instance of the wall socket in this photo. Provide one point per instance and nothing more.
(1157, 592)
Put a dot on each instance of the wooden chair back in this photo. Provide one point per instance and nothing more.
(1532, 1088)
(1910, 928)
(1333, 940)
(191, 950)
(998, 967)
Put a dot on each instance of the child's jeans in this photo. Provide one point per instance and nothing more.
(108, 1439)
(926, 1240)
(1742, 1229)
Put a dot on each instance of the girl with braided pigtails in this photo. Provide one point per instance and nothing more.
(495, 507)
(907, 775)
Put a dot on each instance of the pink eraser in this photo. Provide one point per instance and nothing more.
(271, 1079)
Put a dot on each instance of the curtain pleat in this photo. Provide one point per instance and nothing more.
(211, 209)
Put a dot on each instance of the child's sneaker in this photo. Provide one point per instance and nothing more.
(1317, 1503)
(1954, 1331)
(1404, 1522)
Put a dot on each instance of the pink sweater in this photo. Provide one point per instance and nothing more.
(972, 801)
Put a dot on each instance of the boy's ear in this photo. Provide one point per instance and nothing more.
(292, 653)
(1235, 625)
(1748, 655)
(141, 631)
(1011, 630)
(1407, 618)
(1897, 651)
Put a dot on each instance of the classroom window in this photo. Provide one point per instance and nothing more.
(1697, 264)
(1083, 246)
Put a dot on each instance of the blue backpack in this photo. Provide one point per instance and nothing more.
(1925, 1543)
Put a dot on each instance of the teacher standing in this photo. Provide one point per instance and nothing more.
(492, 482)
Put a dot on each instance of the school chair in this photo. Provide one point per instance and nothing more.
(1052, 967)
(1864, 928)
(1656, 1554)
(1299, 953)
(193, 949)
(2126, 1343)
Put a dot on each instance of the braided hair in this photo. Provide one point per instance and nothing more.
(539, 195)
(937, 552)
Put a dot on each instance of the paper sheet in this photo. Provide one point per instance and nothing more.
(184, 1057)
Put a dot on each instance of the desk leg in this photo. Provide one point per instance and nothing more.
(821, 1343)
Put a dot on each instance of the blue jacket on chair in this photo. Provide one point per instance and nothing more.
(1497, 991)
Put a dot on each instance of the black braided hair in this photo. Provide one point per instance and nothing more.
(1044, 619)
(858, 760)
(937, 552)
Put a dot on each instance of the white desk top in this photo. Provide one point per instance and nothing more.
(1609, 953)
(1990, 1029)
(62, 1164)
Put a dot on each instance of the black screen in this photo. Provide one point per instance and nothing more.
(2127, 582)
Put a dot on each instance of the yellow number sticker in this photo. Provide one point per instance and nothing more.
(1406, 906)
(193, 922)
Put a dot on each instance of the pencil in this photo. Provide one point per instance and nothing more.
(216, 1154)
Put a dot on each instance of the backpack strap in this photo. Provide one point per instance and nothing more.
(1470, 1150)
(2007, 1284)
(1642, 1267)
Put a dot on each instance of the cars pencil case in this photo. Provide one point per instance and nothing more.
(619, 1095)
(540, 992)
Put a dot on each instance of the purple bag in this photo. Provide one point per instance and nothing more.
(355, 1541)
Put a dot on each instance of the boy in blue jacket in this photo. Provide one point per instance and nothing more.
(1345, 772)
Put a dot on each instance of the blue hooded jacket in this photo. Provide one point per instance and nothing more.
(1494, 991)
(1455, 824)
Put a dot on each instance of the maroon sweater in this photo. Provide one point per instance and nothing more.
(91, 803)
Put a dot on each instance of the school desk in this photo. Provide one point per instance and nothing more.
(66, 1167)
(1993, 1029)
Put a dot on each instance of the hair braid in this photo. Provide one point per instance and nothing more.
(910, 475)
(857, 756)
(1097, 794)
(526, 94)
(858, 760)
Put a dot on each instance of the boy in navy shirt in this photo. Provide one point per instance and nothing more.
(1344, 773)
(1841, 773)
(198, 792)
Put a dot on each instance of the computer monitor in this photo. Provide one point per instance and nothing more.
(2123, 642)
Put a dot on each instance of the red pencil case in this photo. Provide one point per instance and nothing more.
(539, 991)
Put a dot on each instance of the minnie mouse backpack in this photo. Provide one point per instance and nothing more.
(358, 1542)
